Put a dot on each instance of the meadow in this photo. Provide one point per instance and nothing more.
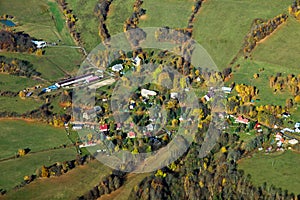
(14, 170)
(18, 105)
(220, 26)
(244, 75)
(119, 12)
(39, 24)
(87, 23)
(68, 186)
(281, 170)
(19, 134)
(171, 13)
(15, 83)
(282, 48)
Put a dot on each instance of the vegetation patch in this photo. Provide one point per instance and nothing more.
(18, 134)
(279, 170)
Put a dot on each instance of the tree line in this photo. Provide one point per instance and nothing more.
(261, 29)
(71, 20)
(16, 42)
(17, 67)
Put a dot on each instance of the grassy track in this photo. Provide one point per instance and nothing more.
(280, 170)
(222, 25)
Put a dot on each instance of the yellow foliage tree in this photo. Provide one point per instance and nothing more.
(21, 152)
(297, 99)
(22, 94)
(39, 52)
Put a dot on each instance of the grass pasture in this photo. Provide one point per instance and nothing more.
(56, 62)
(18, 105)
(119, 11)
(18, 134)
(245, 75)
(171, 13)
(44, 20)
(13, 171)
(68, 186)
(87, 23)
(220, 26)
(282, 48)
(280, 170)
(15, 83)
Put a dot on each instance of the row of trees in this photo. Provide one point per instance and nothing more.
(71, 20)
(214, 176)
(261, 29)
(294, 9)
(16, 42)
(17, 67)
(107, 185)
(133, 20)
(291, 83)
(101, 9)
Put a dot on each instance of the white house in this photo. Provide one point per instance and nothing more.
(147, 93)
(226, 89)
(39, 44)
(117, 67)
(174, 95)
(137, 61)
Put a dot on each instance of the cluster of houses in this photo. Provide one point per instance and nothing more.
(75, 81)
(210, 94)
(119, 67)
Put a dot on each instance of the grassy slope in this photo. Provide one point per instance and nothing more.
(282, 48)
(13, 171)
(222, 25)
(119, 12)
(67, 186)
(280, 170)
(15, 83)
(17, 134)
(39, 24)
(87, 23)
(172, 13)
(245, 75)
(18, 105)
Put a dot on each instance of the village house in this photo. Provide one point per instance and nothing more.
(242, 120)
(146, 93)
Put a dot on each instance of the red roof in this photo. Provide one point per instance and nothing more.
(131, 134)
(104, 127)
(242, 120)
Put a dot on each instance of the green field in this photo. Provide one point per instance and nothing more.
(55, 64)
(68, 186)
(171, 13)
(222, 25)
(245, 75)
(15, 83)
(280, 170)
(282, 48)
(13, 171)
(39, 24)
(87, 23)
(18, 134)
(119, 12)
(18, 105)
